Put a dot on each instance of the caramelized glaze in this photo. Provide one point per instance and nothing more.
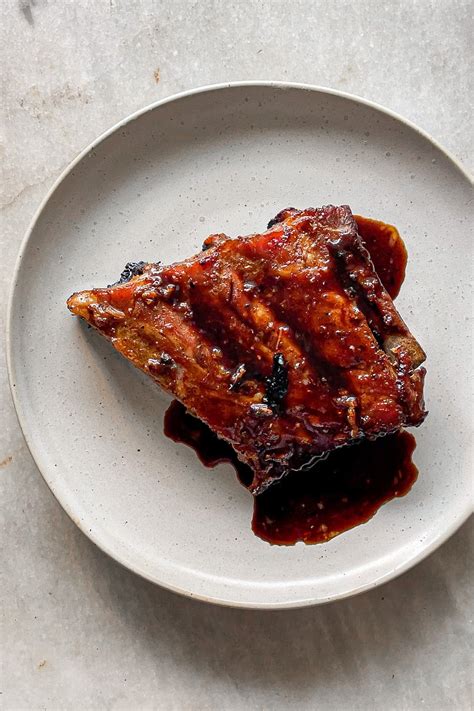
(284, 342)
(348, 487)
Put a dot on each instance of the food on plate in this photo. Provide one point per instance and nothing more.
(338, 493)
(285, 343)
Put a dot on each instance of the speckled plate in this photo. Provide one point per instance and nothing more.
(228, 158)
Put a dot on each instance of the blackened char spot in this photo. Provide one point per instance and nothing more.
(131, 269)
(166, 359)
(276, 385)
(280, 217)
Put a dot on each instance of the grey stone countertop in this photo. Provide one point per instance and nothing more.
(80, 632)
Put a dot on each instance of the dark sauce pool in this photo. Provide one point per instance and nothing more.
(348, 487)
(341, 492)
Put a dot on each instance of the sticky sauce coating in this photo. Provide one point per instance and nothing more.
(348, 487)
(284, 342)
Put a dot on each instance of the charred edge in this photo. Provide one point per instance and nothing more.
(276, 385)
(131, 269)
(279, 218)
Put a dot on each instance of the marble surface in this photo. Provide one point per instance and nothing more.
(80, 632)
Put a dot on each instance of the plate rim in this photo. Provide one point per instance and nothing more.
(42, 467)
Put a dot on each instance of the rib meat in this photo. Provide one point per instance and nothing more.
(285, 343)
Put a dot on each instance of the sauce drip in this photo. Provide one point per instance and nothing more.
(348, 487)
(184, 428)
(313, 506)
(343, 491)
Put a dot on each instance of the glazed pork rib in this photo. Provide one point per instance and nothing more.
(285, 343)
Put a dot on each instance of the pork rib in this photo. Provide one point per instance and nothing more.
(285, 343)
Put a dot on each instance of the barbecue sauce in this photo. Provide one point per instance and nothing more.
(182, 427)
(387, 251)
(349, 486)
(341, 492)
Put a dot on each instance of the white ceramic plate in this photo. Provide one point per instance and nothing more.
(228, 158)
